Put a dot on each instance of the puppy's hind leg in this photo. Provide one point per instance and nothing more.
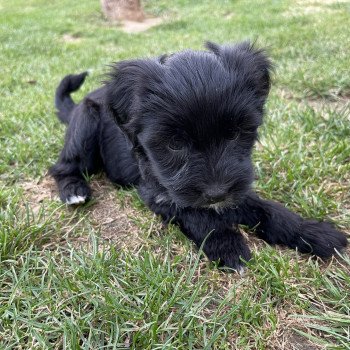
(80, 155)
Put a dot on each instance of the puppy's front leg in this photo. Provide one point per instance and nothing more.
(277, 225)
(80, 154)
(222, 241)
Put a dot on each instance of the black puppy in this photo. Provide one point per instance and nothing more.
(182, 128)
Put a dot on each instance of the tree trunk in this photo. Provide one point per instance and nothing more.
(118, 10)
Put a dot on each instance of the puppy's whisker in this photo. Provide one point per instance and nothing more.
(179, 173)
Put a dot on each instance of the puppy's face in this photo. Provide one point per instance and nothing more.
(193, 120)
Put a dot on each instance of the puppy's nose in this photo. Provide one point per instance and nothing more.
(214, 194)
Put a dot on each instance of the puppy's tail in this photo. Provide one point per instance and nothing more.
(63, 100)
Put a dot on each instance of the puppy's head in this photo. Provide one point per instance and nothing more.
(192, 118)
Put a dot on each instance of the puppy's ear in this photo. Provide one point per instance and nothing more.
(250, 63)
(129, 85)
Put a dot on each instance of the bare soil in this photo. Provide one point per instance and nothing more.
(138, 27)
(112, 218)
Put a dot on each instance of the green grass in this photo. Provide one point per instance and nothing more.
(63, 285)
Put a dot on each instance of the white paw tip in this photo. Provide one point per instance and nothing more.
(75, 200)
(241, 271)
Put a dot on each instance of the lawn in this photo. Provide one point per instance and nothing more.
(108, 275)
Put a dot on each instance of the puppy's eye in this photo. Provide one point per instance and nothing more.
(176, 144)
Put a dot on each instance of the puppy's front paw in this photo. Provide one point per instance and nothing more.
(72, 200)
(75, 193)
(320, 239)
(229, 249)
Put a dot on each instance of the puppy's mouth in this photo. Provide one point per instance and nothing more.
(219, 206)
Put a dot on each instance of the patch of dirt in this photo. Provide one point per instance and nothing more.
(318, 104)
(307, 10)
(138, 27)
(71, 38)
(228, 15)
(286, 339)
(298, 342)
(309, 7)
(322, 104)
(113, 218)
(36, 192)
(321, 2)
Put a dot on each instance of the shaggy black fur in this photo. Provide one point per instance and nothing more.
(182, 128)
